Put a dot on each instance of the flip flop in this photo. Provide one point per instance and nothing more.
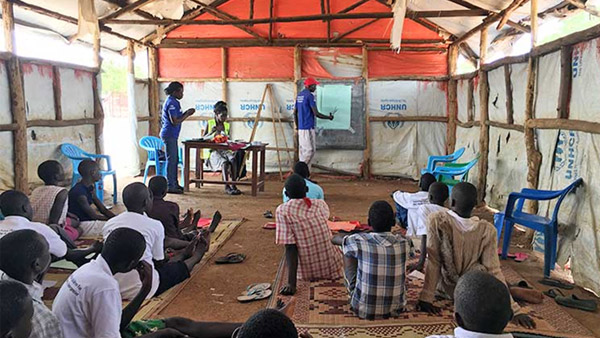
(231, 258)
(522, 284)
(556, 283)
(509, 255)
(577, 303)
(553, 293)
(268, 214)
(256, 295)
(270, 226)
(521, 257)
(257, 286)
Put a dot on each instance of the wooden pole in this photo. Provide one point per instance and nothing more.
(366, 172)
(270, 22)
(98, 110)
(17, 101)
(564, 95)
(484, 137)
(255, 126)
(153, 104)
(534, 22)
(275, 131)
(452, 100)
(224, 73)
(56, 89)
(510, 111)
(471, 101)
(297, 77)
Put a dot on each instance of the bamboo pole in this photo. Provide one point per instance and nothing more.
(297, 77)
(17, 102)
(224, 59)
(154, 104)
(366, 172)
(484, 138)
(509, 95)
(57, 91)
(452, 100)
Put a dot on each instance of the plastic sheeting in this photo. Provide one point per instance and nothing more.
(77, 99)
(497, 99)
(506, 162)
(388, 63)
(568, 155)
(548, 86)
(39, 97)
(189, 63)
(399, 10)
(333, 63)
(407, 98)
(346, 160)
(141, 99)
(462, 97)
(5, 112)
(7, 172)
(469, 138)
(518, 80)
(260, 62)
(586, 75)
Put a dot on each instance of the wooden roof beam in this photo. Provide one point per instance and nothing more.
(139, 12)
(123, 10)
(511, 23)
(508, 12)
(353, 6)
(581, 5)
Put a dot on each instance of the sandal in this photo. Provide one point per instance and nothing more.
(257, 286)
(255, 295)
(270, 226)
(556, 283)
(521, 257)
(521, 284)
(268, 214)
(577, 303)
(232, 258)
(553, 293)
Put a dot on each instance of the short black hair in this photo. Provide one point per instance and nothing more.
(14, 298)
(425, 181)
(123, 245)
(220, 106)
(438, 193)
(158, 185)
(482, 302)
(12, 203)
(381, 216)
(18, 249)
(86, 166)
(301, 169)
(135, 195)
(48, 170)
(173, 87)
(268, 323)
(464, 195)
(295, 186)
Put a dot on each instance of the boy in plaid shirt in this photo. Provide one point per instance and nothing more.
(302, 228)
(375, 266)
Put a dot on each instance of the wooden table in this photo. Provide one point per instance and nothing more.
(257, 151)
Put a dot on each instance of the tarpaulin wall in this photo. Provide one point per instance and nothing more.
(59, 103)
(566, 154)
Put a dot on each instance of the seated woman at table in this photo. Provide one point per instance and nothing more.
(228, 161)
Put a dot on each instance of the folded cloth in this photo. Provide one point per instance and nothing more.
(342, 226)
(204, 222)
(235, 146)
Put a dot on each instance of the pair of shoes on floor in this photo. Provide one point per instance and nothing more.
(178, 190)
(233, 191)
(571, 301)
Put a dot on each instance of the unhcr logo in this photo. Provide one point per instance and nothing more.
(393, 124)
(393, 105)
(567, 154)
(250, 123)
(577, 63)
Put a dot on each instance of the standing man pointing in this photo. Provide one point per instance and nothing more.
(304, 115)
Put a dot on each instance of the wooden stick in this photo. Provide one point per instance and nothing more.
(443, 119)
(9, 127)
(251, 14)
(509, 22)
(353, 6)
(275, 103)
(564, 95)
(506, 126)
(534, 157)
(126, 9)
(271, 20)
(56, 89)
(484, 138)
(407, 45)
(584, 126)
(17, 102)
(508, 12)
(328, 21)
(139, 12)
(469, 124)
(63, 123)
(154, 102)
(226, 16)
(255, 126)
(224, 61)
(275, 132)
(452, 101)
(534, 22)
(366, 164)
(471, 100)
(509, 95)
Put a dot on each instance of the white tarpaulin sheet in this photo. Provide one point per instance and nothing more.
(518, 80)
(469, 138)
(5, 112)
(7, 172)
(462, 97)
(476, 105)
(497, 99)
(346, 160)
(507, 160)
(141, 99)
(393, 150)
(585, 98)
(407, 98)
(39, 94)
(575, 154)
(77, 100)
(548, 86)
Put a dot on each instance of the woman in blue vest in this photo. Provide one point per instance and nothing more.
(172, 118)
(228, 161)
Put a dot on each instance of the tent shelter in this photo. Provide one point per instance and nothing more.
(532, 116)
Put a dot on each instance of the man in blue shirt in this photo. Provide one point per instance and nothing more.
(314, 191)
(304, 115)
(172, 117)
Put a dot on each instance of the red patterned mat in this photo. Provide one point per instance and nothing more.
(322, 308)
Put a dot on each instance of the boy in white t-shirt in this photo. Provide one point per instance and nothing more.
(417, 226)
(408, 202)
(165, 274)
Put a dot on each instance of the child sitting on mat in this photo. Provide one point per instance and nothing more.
(167, 212)
(458, 243)
(302, 228)
(314, 191)
(375, 266)
(417, 226)
(408, 202)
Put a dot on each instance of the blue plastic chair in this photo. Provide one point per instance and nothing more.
(433, 160)
(154, 145)
(513, 214)
(454, 173)
(76, 155)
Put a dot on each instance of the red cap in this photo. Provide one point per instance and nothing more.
(310, 81)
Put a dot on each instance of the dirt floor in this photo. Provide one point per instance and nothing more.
(211, 295)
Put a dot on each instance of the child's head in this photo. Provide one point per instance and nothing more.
(15, 203)
(137, 197)
(123, 249)
(268, 323)
(381, 216)
(464, 198)
(438, 193)
(16, 310)
(295, 187)
(221, 111)
(89, 169)
(25, 255)
(51, 172)
(301, 169)
(158, 186)
(482, 303)
(425, 181)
